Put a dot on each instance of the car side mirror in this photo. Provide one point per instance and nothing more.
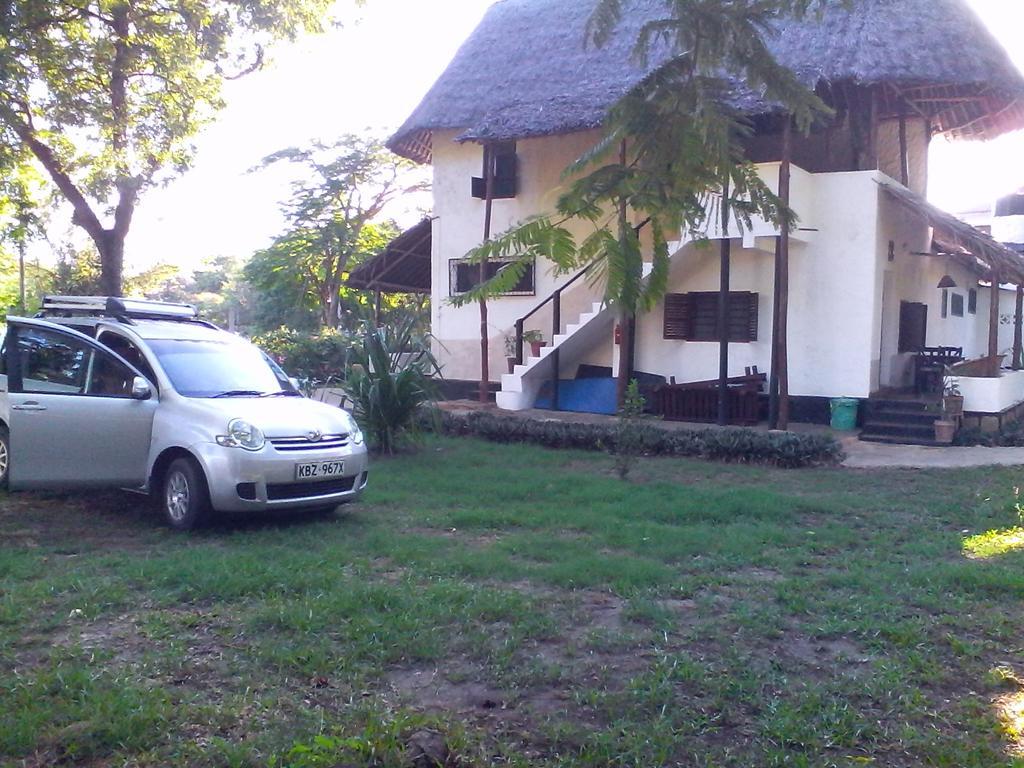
(295, 383)
(141, 389)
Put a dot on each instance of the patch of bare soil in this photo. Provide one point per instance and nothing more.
(832, 654)
(77, 522)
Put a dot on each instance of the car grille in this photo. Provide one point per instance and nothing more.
(282, 491)
(303, 443)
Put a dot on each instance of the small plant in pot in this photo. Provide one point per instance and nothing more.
(952, 399)
(534, 338)
(510, 353)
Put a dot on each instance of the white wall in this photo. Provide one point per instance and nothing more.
(832, 299)
(459, 228)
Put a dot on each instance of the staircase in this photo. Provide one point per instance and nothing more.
(520, 388)
(904, 421)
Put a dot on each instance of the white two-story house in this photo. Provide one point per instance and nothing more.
(875, 273)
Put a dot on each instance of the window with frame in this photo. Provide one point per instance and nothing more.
(506, 173)
(972, 301)
(694, 316)
(465, 276)
(956, 304)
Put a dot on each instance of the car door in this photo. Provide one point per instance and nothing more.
(73, 419)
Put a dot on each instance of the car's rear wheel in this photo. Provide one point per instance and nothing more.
(185, 500)
(5, 455)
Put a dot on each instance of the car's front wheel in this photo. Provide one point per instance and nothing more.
(5, 455)
(185, 500)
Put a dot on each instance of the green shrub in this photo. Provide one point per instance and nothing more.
(731, 444)
(313, 357)
(389, 379)
(629, 431)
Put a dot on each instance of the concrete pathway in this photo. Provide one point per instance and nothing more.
(859, 455)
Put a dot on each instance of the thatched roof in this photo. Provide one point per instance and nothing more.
(403, 267)
(525, 71)
(966, 245)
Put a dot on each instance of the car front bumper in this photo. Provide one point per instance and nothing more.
(241, 481)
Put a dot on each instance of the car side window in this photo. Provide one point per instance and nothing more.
(55, 364)
(109, 378)
(52, 363)
(126, 349)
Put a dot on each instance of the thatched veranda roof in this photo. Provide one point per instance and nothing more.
(970, 247)
(525, 71)
(403, 267)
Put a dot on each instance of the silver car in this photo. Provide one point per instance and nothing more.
(142, 395)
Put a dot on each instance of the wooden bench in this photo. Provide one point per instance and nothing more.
(697, 401)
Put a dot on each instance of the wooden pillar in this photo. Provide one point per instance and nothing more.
(723, 312)
(485, 366)
(904, 154)
(626, 315)
(780, 340)
(1018, 329)
(993, 323)
(873, 132)
(773, 377)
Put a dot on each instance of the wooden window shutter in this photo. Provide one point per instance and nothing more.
(678, 316)
(694, 316)
(751, 317)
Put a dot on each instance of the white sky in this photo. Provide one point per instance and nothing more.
(371, 75)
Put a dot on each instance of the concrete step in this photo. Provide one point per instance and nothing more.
(906, 406)
(870, 437)
(913, 418)
(916, 431)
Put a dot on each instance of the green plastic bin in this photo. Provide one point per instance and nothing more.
(844, 413)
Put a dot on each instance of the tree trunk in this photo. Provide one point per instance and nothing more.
(485, 363)
(723, 312)
(111, 248)
(627, 322)
(1018, 330)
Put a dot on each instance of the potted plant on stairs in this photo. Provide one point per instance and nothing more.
(534, 338)
(952, 399)
(952, 411)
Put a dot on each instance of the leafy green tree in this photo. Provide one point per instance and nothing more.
(21, 214)
(107, 95)
(672, 154)
(334, 216)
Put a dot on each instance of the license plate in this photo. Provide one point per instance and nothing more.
(314, 470)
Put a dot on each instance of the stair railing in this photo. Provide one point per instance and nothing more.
(556, 328)
(556, 312)
(556, 320)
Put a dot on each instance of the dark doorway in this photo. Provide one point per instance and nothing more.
(913, 326)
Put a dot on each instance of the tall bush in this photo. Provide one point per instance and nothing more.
(390, 377)
(312, 357)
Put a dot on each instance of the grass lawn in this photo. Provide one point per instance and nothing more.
(532, 609)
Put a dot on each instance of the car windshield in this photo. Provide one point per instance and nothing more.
(205, 368)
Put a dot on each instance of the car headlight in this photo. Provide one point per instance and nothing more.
(242, 434)
(354, 431)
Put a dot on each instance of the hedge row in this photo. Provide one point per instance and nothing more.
(733, 444)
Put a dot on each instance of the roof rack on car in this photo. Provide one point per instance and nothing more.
(125, 310)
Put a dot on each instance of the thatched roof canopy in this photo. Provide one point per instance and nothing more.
(403, 267)
(525, 71)
(970, 247)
